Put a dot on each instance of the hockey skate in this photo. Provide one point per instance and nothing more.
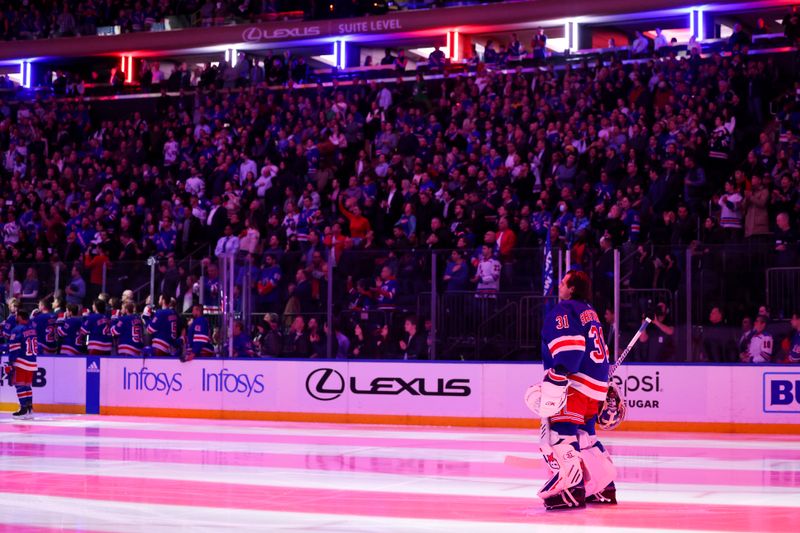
(607, 496)
(24, 413)
(571, 498)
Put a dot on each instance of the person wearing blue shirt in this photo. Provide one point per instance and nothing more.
(386, 290)
(456, 273)
(268, 299)
(164, 328)
(22, 366)
(45, 323)
(129, 329)
(69, 331)
(242, 344)
(165, 239)
(199, 335)
(76, 289)
(794, 348)
(11, 320)
(97, 327)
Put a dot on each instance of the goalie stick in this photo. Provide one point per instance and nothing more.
(629, 347)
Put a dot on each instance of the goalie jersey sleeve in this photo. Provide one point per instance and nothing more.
(573, 348)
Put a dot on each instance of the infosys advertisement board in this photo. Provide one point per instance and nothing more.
(59, 381)
(655, 393)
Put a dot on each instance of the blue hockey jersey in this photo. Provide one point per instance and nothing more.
(794, 350)
(72, 338)
(199, 337)
(22, 348)
(572, 338)
(45, 324)
(129, 329)
(164, 329)
(8, 326)
(98, 329)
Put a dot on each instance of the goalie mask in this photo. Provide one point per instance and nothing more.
(612, 412)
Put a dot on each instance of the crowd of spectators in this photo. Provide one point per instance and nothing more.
(40, 19)
(372, 177)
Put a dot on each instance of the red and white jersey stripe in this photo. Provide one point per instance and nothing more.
(588, 386)
(567, 343)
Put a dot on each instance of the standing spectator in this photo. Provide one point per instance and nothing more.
(640, 45)
(76, 289)
(456, 273)
(487, 273)
(658, 338)
(539, 45)
(412, 345)
(756, 219)
(738, 39)
(96, 262)
(719, 342)
(730, 220)
(785, 242)
(228, 244)
(660, 42)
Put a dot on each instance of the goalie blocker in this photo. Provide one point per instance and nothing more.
(575, 387)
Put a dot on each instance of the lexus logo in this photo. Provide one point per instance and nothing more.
(254, 34)
(250, 35)
(325, 384)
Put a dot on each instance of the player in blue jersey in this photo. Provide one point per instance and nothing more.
(11, 320)
(46, 328)
(129, 331)
(794, 347)
(69, 331)
(164, 328)
(22, 366)
(575, 360)
(199, 335)
(97, 327)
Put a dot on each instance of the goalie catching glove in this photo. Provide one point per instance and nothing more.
(612, 412)
(549, 397)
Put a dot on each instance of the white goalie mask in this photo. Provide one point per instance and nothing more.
(612, 412)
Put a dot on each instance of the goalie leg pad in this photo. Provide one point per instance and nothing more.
(564, 461)
(599, 470)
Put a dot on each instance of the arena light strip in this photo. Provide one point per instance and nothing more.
(126, 66)
(454, 45)
(339, 52)
(25, 71)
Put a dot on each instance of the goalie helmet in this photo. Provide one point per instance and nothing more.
(612, 412)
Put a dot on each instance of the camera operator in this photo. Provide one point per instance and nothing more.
(658, 338)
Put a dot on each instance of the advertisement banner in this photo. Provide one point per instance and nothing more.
(655, 393)
(58, 381)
